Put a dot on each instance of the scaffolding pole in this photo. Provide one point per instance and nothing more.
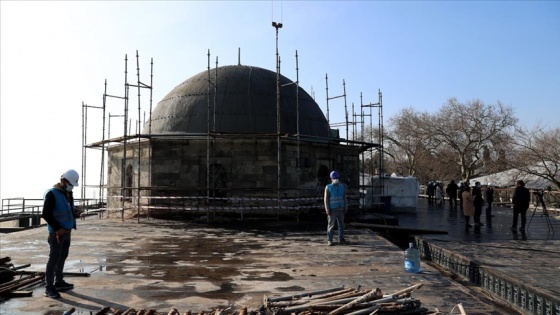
(380, 153)
(83, 176)
(210, 128)
(296, 83)
(125, 188)
(298, 132)
(278, 126)
(339, 123)
(139, 85)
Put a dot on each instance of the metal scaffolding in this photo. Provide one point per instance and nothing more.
(380, 187)
(126, 188)
(133, 192)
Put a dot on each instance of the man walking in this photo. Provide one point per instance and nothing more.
(60, 214)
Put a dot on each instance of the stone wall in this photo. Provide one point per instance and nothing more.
(240, 168)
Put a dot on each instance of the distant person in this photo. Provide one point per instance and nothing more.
(439, 195)
(60, 214)
(461, 190)
(478, 203)
(431, 190)
(468, 205)
(336, 207)
(489, 200)
(521, 200)
(451, 191)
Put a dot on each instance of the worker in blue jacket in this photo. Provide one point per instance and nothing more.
(60, 214)
(336, 207)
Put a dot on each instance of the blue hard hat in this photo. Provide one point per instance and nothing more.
(334, 174)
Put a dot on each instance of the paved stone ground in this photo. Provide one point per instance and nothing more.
(528, 261)
(161, 264)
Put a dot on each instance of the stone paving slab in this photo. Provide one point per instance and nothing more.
(518, 268)
(525, 275)
(161, 264)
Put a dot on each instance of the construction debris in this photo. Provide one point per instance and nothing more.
(13, 280)
(335, 301)
(339, 301)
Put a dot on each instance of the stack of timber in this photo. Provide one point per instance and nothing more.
(342, 301)
(335, 301)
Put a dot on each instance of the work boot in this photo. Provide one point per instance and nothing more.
(52, 293)
(63, 286)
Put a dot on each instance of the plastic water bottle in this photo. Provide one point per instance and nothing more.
(411, 259)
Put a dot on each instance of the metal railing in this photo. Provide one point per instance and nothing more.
(20, 205)
(26, 206)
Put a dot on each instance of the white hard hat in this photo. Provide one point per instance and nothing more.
(490, 184)
(71, 176)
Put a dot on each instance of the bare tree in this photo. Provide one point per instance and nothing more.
(373, 162)
(468, 128)
(406, 146)
(460, 140)
(539, 153)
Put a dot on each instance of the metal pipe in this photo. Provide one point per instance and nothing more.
(278, 129)
(123, 162)
(139, 147)
(297, 130)
(102, 173)
(208, 140)
(150, 126)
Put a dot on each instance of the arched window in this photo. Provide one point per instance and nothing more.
(127, 193)
(323, 176)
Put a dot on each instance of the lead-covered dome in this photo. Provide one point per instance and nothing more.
(245, 103)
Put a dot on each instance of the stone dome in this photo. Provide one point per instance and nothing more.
(245, 104)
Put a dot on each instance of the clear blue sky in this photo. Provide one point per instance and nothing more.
(56, 55)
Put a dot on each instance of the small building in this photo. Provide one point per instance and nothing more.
(216, 142)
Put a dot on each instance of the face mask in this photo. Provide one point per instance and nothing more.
(335, 181)
(69, 188)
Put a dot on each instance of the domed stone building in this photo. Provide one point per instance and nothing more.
(214, 143)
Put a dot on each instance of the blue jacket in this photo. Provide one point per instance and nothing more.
(61, 214)
(336, 196)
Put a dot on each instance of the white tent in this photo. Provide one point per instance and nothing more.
(403, 192)
(509, 177)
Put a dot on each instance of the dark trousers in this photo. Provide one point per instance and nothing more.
(519, 211)
(57, 257)
(477, 213)
(452, 201)
(489, 209)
